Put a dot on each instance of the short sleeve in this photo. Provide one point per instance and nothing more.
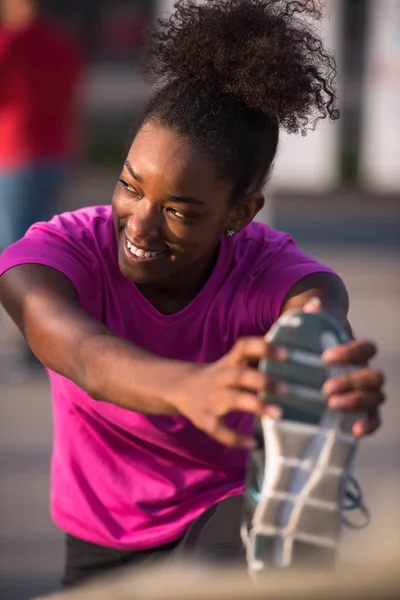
(56, 246)
(289, 266)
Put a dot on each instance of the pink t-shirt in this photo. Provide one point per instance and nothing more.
(123, 479)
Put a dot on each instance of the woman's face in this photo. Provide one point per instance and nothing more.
(170, 209)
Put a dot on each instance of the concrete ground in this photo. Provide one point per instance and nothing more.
(31, 547)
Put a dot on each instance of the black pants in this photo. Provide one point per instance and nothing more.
(213, 538)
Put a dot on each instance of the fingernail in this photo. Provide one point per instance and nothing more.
(331, 387)
(336, 402)
(328, 355)
(273, 412)
(359, 429)
(365, 427)
(281, 353)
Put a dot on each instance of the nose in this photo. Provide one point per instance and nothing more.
(144, 222)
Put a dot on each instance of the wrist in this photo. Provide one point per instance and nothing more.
(174, 387)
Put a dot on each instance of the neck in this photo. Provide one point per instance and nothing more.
(18, 14)
(172, 295)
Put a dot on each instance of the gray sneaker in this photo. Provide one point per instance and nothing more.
(298, 481)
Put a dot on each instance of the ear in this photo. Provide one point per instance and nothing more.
(245, 210)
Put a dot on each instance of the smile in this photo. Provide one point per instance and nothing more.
(141, 255)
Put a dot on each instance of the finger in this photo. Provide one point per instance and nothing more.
(254, 348)
(246, 402)
(362, 379)
(228, 437)
(357, 401)
(367, 426)
(272, 411)
(252, 379)
(241, 401)
(356, 352)
(314, 305)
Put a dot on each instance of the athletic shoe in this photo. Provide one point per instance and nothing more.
(299, 475)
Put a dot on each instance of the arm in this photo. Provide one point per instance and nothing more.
(65, 338)
(45, 305)
(328, 288)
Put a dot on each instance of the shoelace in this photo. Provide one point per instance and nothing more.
(352, 500)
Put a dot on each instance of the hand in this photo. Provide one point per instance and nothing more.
(360, 391)
(210, 392)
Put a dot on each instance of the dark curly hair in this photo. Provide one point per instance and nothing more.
(230, 73)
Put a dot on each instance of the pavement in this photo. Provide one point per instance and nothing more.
(31, 547)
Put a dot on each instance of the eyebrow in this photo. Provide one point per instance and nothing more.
(132, 172)
(184, 200)
(168, 197)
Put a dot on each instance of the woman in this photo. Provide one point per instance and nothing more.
(151, 314)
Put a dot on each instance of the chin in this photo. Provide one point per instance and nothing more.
(140, 275)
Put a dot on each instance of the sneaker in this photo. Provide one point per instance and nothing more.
(299, 473)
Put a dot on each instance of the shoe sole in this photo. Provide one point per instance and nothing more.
(305, 458)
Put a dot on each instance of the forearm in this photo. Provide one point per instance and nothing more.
(66, 339)
(117, 371)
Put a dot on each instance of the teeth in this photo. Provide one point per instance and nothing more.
(141, 253)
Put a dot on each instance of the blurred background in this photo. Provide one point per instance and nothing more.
(337, 191)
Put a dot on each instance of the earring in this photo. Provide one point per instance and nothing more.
(230, 232)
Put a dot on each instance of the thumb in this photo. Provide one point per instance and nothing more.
(313, 305)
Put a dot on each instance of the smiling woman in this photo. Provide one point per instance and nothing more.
(170, 201)
(150, 314)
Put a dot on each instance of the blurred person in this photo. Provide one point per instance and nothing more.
(150, 314)
(40, 72)
(40, 69)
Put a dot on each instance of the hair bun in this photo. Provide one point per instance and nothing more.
(265, 54)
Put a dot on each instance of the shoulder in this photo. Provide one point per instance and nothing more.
(81, 245)
(274, 266)
(269, 249)
(79, 224)
(260, 234)
(73, 240)
(92, 227)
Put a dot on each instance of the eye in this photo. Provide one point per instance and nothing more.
(178, 214)
(129, 188)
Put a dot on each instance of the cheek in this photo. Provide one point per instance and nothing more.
(121, 210)
(114, 212)
(196, 233)
(119, 206)
(115, 205)
(196, 241)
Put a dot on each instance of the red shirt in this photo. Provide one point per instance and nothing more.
(39, 73)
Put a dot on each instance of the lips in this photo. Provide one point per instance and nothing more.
(139, 254)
